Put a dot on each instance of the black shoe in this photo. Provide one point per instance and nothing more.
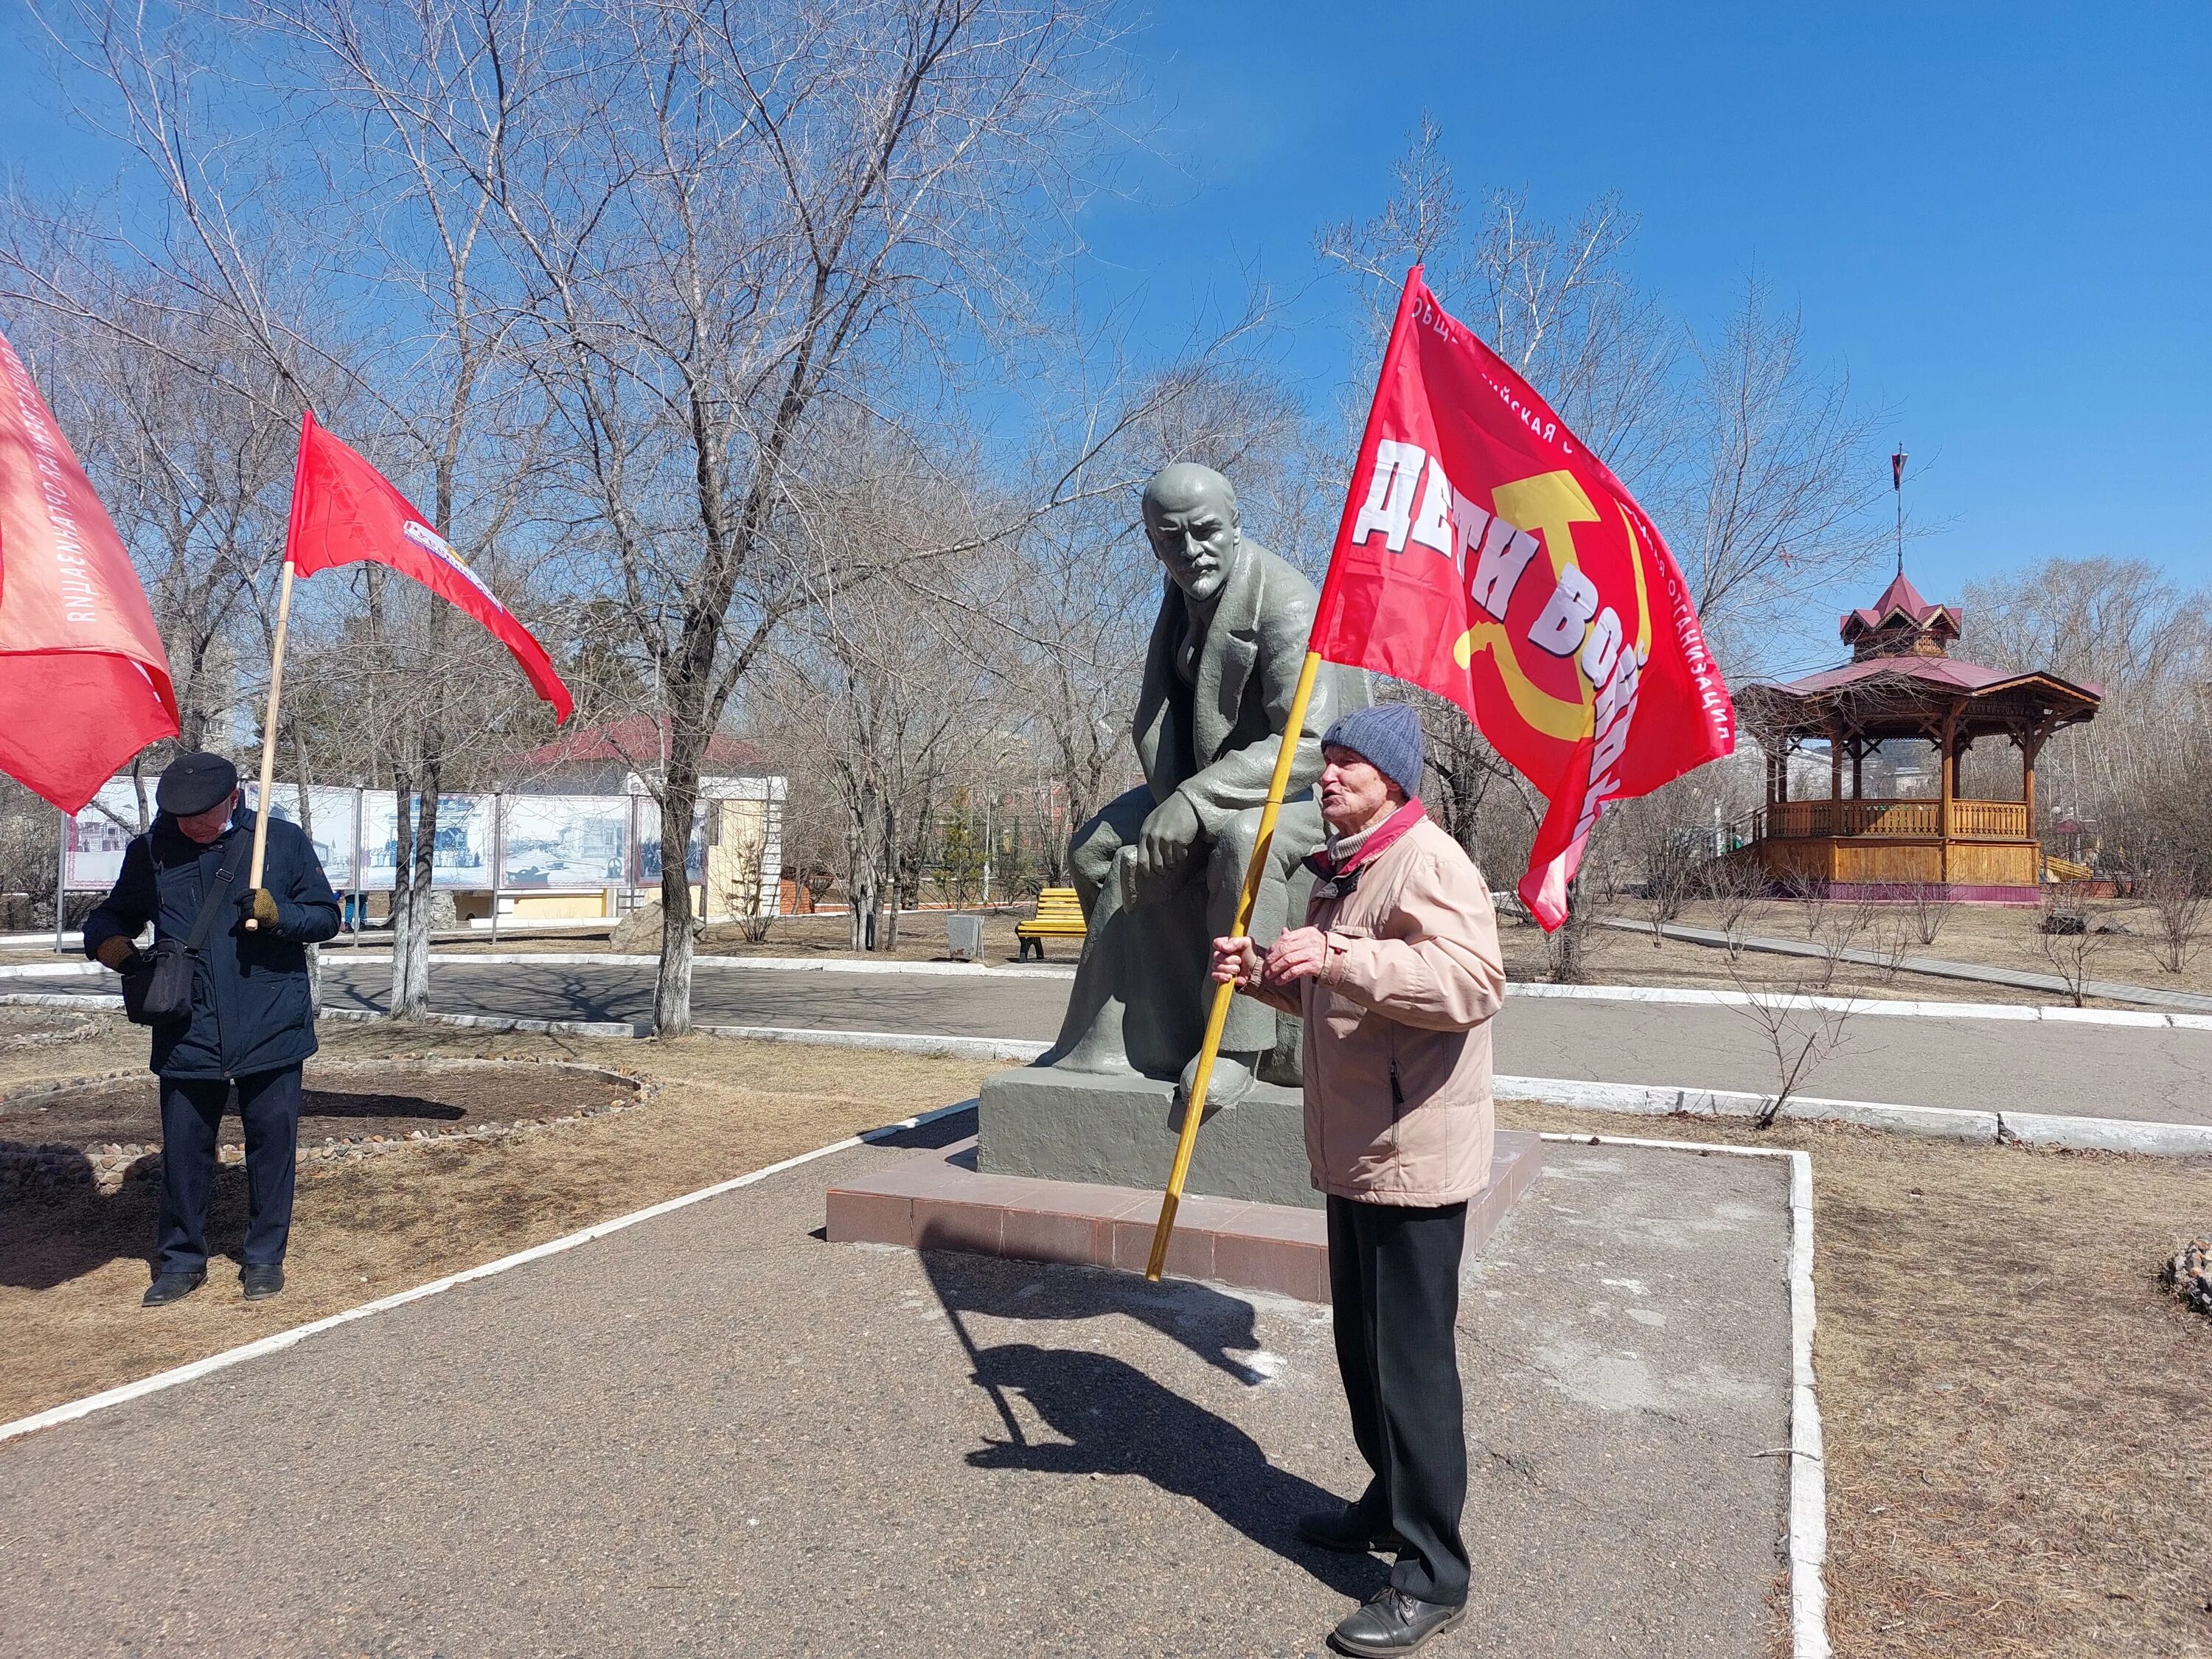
(1343, 1530)
(1393, 1622)
(171, 1287)
(261, 1279)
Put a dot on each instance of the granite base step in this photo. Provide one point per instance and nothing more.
(939, 1201)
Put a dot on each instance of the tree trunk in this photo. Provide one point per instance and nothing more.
(671, 996)
(862, 882)
(415, 944)
(403, 890)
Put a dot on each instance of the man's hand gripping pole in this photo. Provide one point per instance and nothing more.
(1218, 1019)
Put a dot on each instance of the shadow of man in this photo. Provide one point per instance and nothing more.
(1113, 1419)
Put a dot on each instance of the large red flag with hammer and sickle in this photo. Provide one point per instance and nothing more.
(1486, 555)
(344, 510)
(84, 684)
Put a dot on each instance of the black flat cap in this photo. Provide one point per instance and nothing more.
(193, 783)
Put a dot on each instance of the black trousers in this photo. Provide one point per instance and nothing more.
(192, 1113)
(1393, 1274)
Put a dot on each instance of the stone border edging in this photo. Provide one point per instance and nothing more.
(124, 1393)
(1809, 1484)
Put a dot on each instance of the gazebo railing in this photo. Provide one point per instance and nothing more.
(1918, 819)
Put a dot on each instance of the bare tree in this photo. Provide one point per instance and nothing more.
(2069, 938)
(1803, 1025)
(1929, 904)
(2180, 907)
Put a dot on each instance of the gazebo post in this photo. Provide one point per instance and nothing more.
(1858, 762)
(1836, 764)
(1947, 777)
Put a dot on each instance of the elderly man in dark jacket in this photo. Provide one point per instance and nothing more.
(252, 1018)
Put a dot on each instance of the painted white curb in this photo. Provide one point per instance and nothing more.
(340, 956)
(282, 1339)
(1697, 996)
(2106, 1134)
(51, 970)
(589, 1028)
(1808, 1483)
(61, 999)
(903, 1043)
(1661, 1100)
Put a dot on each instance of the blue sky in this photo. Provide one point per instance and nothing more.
(1995, 218)
(1998, 219)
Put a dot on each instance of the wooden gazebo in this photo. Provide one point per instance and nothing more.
(1903, 682)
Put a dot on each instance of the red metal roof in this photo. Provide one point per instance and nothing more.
(639, 742)
(1949, 674)
(1900, 600)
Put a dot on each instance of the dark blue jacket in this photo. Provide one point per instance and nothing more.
(251, 1007)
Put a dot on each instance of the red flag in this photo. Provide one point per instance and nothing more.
(1486, 555)
(343, 510)
(84, 684)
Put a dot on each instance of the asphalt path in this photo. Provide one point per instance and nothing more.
(2155, 1074)
(713, 1434)
(2152, 1074)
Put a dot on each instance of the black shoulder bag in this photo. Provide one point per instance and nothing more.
(160, 991)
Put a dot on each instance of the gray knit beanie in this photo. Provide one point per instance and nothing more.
(1388, 735)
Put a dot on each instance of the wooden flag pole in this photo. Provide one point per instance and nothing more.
(268, 736)
(1218, 1019)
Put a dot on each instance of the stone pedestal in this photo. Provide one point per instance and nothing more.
(1120, 1130)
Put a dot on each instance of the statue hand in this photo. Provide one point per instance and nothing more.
(1169, 832)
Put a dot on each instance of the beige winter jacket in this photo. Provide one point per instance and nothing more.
(1397, 1043)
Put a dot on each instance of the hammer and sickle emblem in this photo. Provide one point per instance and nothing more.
(1550, 505)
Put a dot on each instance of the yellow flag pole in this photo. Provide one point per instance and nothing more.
(269, 735)
(1217, 1018)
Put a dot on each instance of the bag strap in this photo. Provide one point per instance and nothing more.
(215, 894)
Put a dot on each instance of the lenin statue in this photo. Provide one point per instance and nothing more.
(1160, 868)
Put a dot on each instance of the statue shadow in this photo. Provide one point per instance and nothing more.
(1113, 1419)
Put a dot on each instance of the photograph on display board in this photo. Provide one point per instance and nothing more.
(97, 835)
(552, 842)
(461, 857)
(648, 842)
(329, 823)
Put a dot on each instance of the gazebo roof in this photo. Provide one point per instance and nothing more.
(1902, 680)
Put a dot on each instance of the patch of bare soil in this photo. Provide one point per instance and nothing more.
(346, 1100)
(2014, 1407)
(73, 1263)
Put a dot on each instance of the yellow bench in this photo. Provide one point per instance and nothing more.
(1059, 915)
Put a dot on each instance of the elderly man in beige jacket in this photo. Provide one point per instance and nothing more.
(1397, 973)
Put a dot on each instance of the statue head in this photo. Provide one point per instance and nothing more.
(1190, 519)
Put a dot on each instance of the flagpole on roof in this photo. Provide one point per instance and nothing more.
(1897, 486)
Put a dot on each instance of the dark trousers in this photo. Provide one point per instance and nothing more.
(192, 1113)
(1394, 1275)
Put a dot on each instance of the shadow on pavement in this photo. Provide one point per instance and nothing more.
(1114, 1419)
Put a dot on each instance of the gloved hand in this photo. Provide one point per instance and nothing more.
(117, 952)
(261, 905)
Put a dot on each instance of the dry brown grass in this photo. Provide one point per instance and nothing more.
(2019, 1419)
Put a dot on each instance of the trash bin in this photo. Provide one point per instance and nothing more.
(963, 938)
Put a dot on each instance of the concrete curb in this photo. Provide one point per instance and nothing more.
(51, 970)
(339, 957)
(1931, 967)
(902, 1042)
(1808, 1483)
(1898, 1007)
(2092, 1135)
(126, 1392)
(588, 1028)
